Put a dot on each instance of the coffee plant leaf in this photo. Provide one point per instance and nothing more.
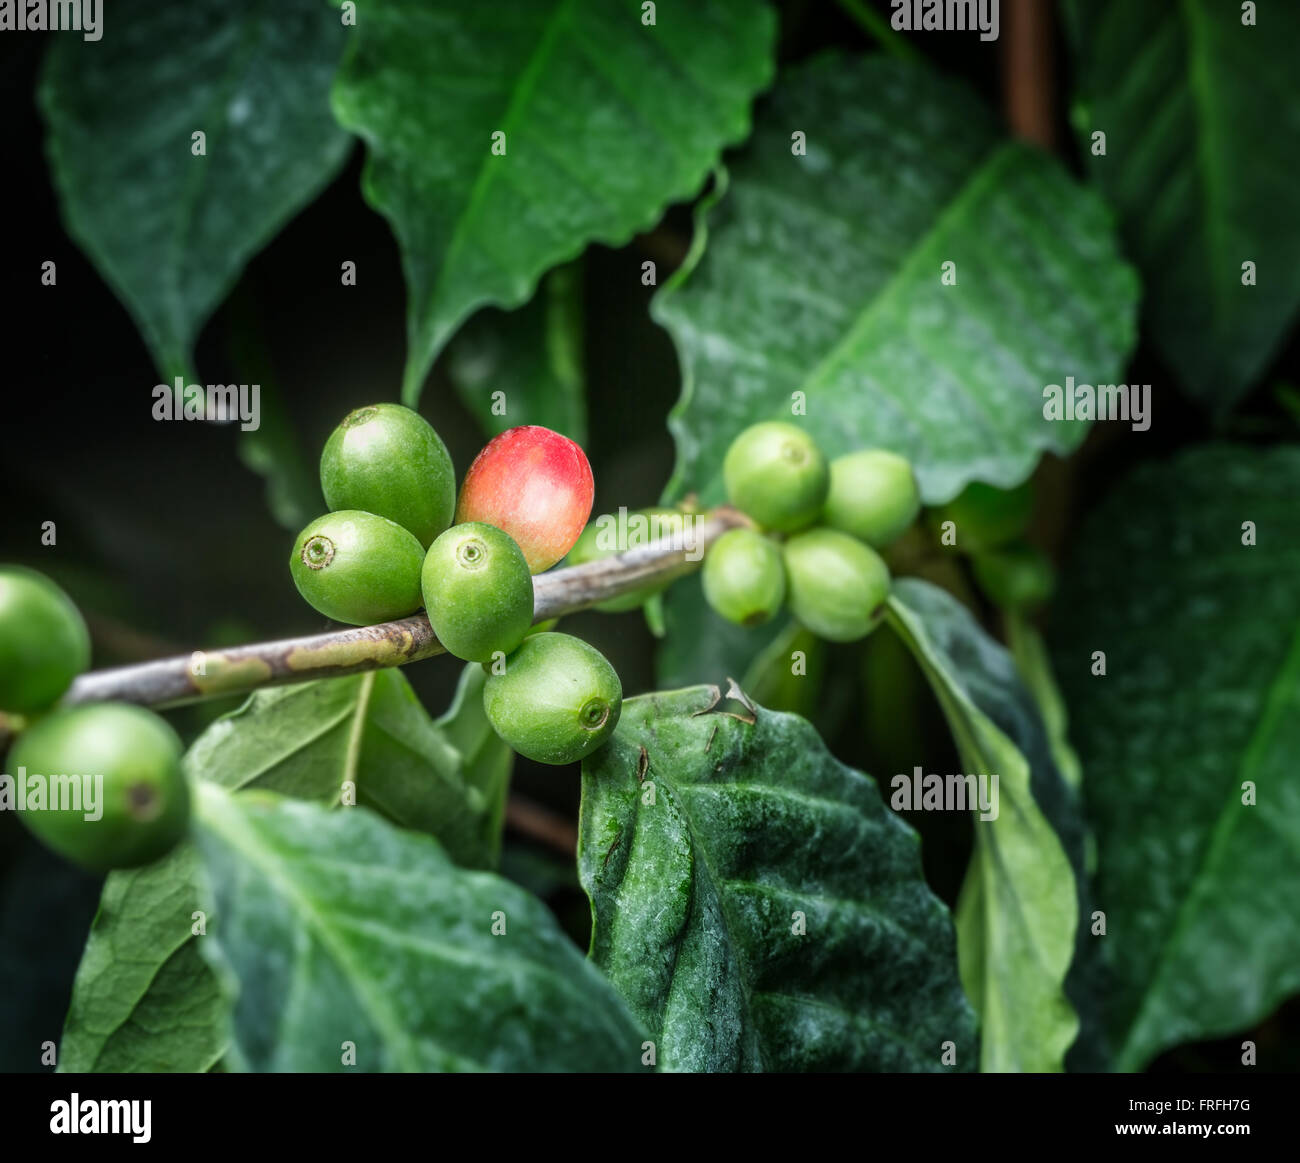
(533, 356)
(144, 1000)
(1188, 740)
(170, 229)
(756, 903)
(1196, 109)
(346, 943)
(1018, 913)
(822, 296)
(489, 183)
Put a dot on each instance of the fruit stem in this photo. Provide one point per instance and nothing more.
(189, 678)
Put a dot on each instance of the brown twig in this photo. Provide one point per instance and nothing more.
(541, 824)
(1028, 93)
(204, 674)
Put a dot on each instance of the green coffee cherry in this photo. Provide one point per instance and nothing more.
(598, 541)
(986, 517)
(388, 460)
(114, 794)
(744, 577)
(43, 641)
(873, 496)
(1016, 577)
(478, 591)
(776, 474)
(557, 700)
(837, 586)
(358, 568)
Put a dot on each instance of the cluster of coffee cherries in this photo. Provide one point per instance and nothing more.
(399, 538)
(820, 528)
(100, 784)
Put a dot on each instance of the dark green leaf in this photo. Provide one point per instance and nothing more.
(1201, 637)
(698, 888)
(823, 277)
(533, 355)
(1202, 126)
(169, 231)
(144, 1000)
(1018, 916)
(427, 87)
(343, 931)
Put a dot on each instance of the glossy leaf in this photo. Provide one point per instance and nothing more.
(339, 932)
(1018, 914)
(533, 355)
(1199, 706)
(1202, 129)
(823, 276)
(605, 121)
(168, 230)
(755, 902)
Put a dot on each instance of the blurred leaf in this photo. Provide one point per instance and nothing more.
(1202, 125)
(532, 354)
(1201, 637)
(1035, 670)
(336, 929)
(306, 740)
(1018, 915)
(171, 232)
(427, 87)
(823, 276)
(697, 899)
(144, 999)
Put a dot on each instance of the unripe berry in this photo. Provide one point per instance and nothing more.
(534, 484)
(557, 700)
(388, 460)
(836, 585)
(358, 568)
(597, 542)
(133, 759)
(986, 517)
(744, 577)
(43, 641)
(477, 591)
(1016, 577)
(777, 474)
(873, 496)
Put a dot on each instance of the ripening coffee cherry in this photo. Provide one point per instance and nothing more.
(777, 474)
(1015, 577)
(388, 460)
(557, 700)
(986, 517)
(535, 485)
(599, 540)
(477, 591)
(358, 568)
(132, 801)
(744, 577)
(873, 496)
(837, 586)
(43, 641)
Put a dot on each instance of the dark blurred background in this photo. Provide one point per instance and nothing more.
(165, 540)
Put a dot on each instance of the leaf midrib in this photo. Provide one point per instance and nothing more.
(1288, 674)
